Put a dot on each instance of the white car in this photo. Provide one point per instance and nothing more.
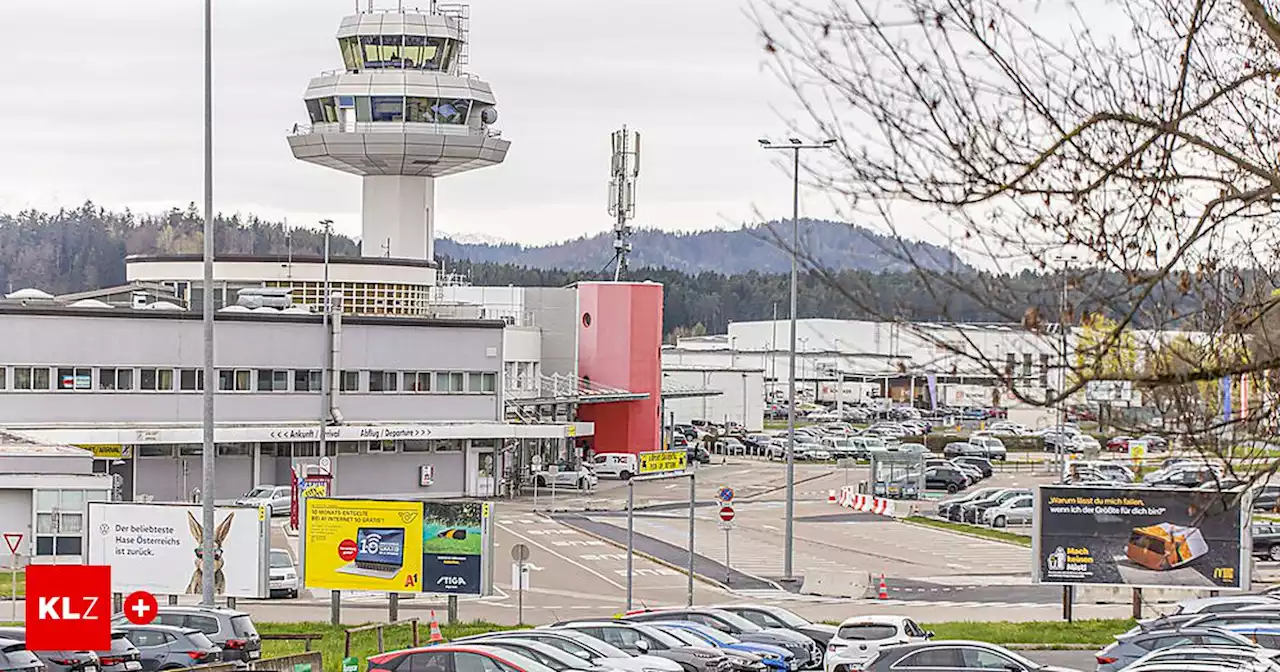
(283, 577)
(566, 476)
(989, 447)
(1009, 429)
(811, 451)
(1084, 443)
(859, 639)
(1016, 511)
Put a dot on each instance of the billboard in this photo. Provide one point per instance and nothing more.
(156, 548)
(1141, 537)
(456, 541)
(397, 546)
(361, 544)
(661, 461)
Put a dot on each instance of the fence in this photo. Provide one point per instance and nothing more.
(378, 628)
(313, 661)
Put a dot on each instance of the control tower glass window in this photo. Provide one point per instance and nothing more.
(411, 52)
(387, 108)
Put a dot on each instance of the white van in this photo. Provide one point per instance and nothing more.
(615, 465)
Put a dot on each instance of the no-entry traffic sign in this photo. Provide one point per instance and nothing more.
(726, 513)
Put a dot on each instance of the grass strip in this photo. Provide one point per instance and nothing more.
(8, 581)
(974, 530)
(1097, 632)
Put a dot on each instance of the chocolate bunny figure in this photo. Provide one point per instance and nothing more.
(196, 586)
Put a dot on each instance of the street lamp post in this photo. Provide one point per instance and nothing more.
(794, 146)
(207, 487)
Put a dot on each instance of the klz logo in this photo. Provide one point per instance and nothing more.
(68, 607)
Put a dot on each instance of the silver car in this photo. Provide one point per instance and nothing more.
(1016, 511)
(277, 497)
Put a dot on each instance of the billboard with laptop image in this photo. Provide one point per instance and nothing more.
(454, 542)
(1142, 537)
(360, 544)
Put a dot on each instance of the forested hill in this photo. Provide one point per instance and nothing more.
(834, 245)
(75, 250)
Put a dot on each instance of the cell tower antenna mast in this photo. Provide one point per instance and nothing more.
(624, 169)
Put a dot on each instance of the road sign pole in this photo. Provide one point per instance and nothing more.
(692, 499)
(13, 588)
(520, 594)
(726, 556)
(631, 526)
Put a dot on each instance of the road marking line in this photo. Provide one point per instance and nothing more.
(564, 557)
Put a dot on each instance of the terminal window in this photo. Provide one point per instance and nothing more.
(30, 377)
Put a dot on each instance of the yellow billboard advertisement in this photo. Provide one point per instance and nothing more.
(667, 460)
(361, 544)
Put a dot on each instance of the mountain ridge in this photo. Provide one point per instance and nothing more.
(754, 248)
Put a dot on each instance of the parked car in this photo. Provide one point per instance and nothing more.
(954, 656)
(614, 465)
(640, 639)
(1154, 442)
(1129, 648)
(167, 647)
(770, 616)
(1083, 443)
(283, 573)
(56, 661)
(1233, 657)
(14, 657)
(550, 656)
(989, 447)
(229, 629)
(1183, 475)
(950, 479)
(451, 657)
(123, 656)
(775, 658)
(811, 452)
(735, 660)
(1005, 428)
(567, 476)
(972, 512)
(277, 498)
(1223, 603)
(1016, 510)
(950, 509)
(858, 640)
(803, 648)
(982, 464)
(586, 647)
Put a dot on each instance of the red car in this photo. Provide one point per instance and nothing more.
(1118, 444)
(454, 658)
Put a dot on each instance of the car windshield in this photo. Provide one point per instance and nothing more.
(242, 625)
(281, 559)
(258, 493)
(596, 646)
(720, 637)
(866, 632)
(200, 640)
(664, 638)
(791, 620)
(737, 621)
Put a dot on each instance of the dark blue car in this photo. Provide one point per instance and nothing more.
(775, 657)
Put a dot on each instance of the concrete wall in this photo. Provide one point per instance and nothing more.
(46, 464)
(15, 517)
(270, 342)
(619, 341)
(556, 309)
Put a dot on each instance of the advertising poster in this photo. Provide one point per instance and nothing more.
(453, 547)
(1141, 537)
(667, 460)
(361, 544)
(156, 548)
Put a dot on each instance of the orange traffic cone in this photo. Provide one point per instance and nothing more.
(436, 637)
(884, 591)
(831, 495)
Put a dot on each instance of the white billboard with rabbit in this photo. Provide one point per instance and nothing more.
(156, 547)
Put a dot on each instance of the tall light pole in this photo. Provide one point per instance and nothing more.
(1065, 260)
(794, 146)
(207, 446)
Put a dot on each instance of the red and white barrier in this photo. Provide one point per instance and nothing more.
(892, 508)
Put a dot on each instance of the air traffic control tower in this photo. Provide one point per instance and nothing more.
(402, 112)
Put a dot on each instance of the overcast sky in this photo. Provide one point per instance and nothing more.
(105, 105)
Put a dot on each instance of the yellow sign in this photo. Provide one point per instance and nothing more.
(1137, 449)
(314, 490)
(354, 544)
(104, 451)
(667, 460)
(572, 431)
